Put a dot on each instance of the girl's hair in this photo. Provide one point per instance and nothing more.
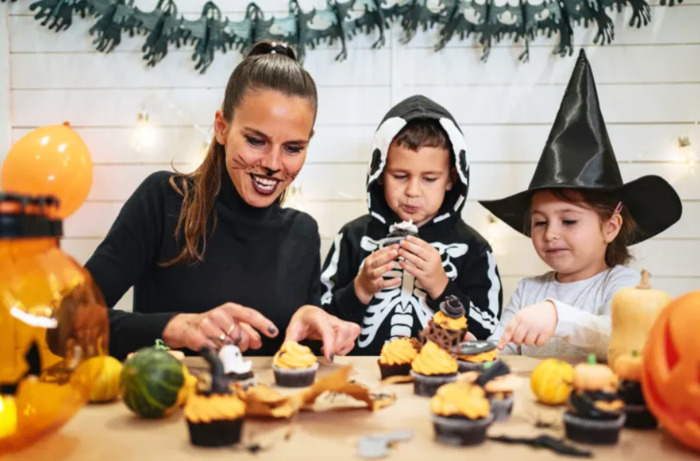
(267, 66)
(603, 204)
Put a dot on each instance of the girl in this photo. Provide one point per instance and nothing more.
(581, 218)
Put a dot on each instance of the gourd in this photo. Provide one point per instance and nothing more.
(670, 364)
(628, 367)
(633, 311)
(153, 382)
(551, 381)
(106, 386)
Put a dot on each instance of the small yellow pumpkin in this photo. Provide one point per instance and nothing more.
(106, 386)
(633, 311)
(551, 380)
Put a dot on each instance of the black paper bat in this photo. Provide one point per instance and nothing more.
(545, 441)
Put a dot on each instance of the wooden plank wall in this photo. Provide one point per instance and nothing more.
(648, 82)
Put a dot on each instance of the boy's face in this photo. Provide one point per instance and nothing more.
(415, 182)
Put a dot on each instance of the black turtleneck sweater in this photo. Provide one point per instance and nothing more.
(264, 258)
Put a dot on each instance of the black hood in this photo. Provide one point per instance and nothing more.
(413, 108)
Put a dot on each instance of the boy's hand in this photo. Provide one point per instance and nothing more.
(423, 261)
(533, 325)
(370, 278)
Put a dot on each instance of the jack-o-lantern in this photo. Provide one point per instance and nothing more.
(671, 369)
(52, 319)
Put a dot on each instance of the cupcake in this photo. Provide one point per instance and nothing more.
(214, 413)
(596, 412)
(235, 368)
(398, 232)
(432, 368)
(628, 369)
(452, 316)
(473, 355)
(294, 365)
(461, 414)
(499, 384)
(396, 357)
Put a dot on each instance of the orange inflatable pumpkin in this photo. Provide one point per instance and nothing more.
(671, 369)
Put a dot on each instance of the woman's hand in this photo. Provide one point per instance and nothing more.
(228, 322)
(532, 325)
(311, 322)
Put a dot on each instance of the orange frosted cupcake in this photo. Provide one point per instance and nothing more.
(396, 357)
(473, 355)
(294, 365)
(432, 368)
(452, 316)
(215, 415)
(461, 414)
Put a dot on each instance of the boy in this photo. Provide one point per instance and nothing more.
(419, 173)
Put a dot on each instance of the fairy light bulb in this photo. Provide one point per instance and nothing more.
(143, 139)
(687, 155)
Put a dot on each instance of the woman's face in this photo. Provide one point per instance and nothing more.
(265, 143)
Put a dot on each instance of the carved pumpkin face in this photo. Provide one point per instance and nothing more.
(671, 369)
(51, 321)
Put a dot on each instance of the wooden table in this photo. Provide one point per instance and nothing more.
(112, 432)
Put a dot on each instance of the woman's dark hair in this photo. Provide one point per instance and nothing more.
(267, 66)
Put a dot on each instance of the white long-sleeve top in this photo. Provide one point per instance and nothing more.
(583, 311)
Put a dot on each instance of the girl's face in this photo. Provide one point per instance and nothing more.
(265, 143)
(571, 237)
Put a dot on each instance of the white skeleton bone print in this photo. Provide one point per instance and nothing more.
(409, 297)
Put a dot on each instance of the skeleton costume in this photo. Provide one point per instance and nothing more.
(466, 257)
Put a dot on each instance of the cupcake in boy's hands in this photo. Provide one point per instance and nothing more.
(396, 357)
(294, 365)
(499, 384)
(629, 369)
(451, 316)
(596, 412)
(214, 413)
(461, 414)
(473, 355)
(432, 368)
(398, 232)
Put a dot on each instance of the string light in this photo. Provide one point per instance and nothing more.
(687, 155)
(143, 139)
(494, 234)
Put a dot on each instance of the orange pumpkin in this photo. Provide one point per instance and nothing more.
(592, 376)
(629, 367)
(670, 376)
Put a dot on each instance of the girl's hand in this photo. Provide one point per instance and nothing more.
(370, 279)
(533, 325)
(423, 261)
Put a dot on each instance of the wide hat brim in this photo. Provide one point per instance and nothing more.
(651, 200)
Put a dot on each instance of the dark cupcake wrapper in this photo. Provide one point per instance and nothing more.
(593, 431)
(403, 369)
(639, 417)
(465, 366)
(461, 431)
(287, 377)
(427, 385)
(501, 408)
(216, 433)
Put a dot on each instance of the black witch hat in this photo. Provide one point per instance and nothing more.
(578, 155)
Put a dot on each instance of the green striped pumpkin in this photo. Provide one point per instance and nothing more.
(151, 380)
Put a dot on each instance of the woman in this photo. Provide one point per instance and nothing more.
(199, 247)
